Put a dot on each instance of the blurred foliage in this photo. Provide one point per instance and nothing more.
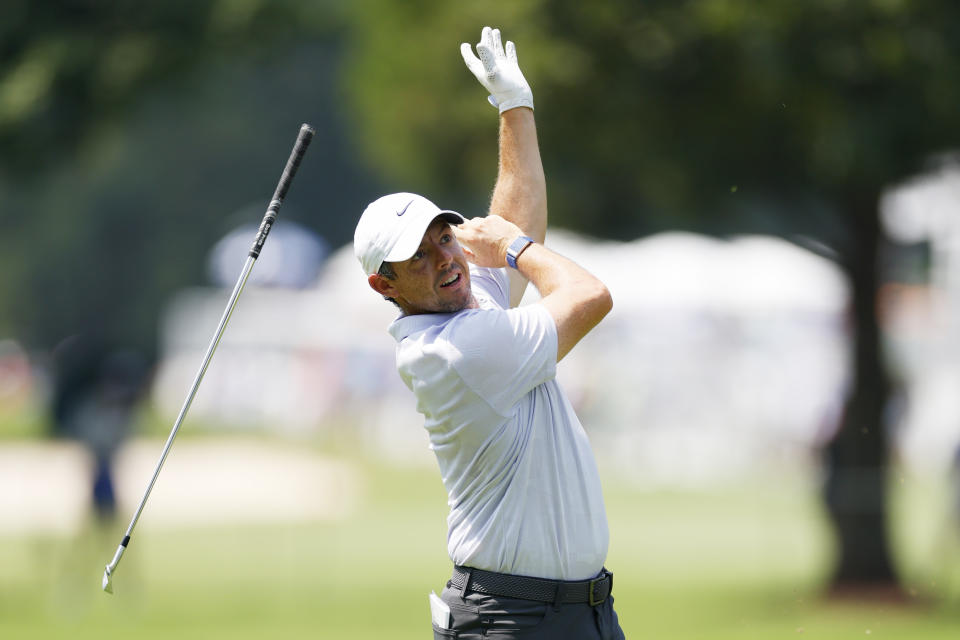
(714, 115)
(710, 114)
(69, 67)
(131, 137)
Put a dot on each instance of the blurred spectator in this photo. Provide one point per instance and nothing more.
(96, 390)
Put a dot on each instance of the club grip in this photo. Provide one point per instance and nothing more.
(293, 163)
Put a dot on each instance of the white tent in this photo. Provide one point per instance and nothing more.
(719, 341)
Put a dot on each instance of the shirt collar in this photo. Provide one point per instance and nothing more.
(405, 326)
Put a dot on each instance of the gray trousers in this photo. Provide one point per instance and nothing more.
(478, 615)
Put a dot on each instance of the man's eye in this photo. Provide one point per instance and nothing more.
(446, 238)
(417, 255)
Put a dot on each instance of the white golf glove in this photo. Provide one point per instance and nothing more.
(498, 71)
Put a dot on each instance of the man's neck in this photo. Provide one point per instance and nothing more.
(473, 304)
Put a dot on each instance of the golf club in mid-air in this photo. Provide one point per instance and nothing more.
(269, 218)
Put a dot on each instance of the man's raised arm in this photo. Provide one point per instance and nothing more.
(520, 194)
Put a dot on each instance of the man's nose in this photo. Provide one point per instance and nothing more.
(444, 256)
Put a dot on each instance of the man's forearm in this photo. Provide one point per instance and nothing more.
(520, 194)
(575, 298)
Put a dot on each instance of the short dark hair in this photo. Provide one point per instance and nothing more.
(386, 270)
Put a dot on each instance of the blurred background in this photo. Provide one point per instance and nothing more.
(771, 191)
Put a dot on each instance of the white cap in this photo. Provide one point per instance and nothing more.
(392, 227)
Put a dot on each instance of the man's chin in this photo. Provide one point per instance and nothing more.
(454, 305)
(463, 301)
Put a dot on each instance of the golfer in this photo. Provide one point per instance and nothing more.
(527, 527)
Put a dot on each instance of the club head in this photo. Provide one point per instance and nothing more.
(110, 568)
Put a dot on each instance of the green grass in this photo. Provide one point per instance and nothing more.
(740, 563)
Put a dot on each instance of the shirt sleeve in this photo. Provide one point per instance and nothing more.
(503, 354)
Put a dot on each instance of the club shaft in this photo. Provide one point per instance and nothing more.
(231, 304)
(303, 140)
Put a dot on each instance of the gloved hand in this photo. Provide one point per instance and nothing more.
(498, 71)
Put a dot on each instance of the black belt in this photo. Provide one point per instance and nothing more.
(592, 592)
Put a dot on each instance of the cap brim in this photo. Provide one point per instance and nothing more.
(452, 216)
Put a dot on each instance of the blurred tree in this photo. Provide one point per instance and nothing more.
(714, 115)
(68, 67)
(129, 133)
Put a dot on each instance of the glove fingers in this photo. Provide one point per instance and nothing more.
(486, 38)
(512, 52)
(473, 63)
(497, 43)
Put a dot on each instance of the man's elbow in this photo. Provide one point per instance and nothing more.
(601, 302)
(576, 315)
(607, 301)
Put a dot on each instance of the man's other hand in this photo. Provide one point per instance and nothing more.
(485, 240)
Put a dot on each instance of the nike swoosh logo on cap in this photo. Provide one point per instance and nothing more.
(404, 210)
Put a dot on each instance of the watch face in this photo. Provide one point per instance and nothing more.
(516, 248)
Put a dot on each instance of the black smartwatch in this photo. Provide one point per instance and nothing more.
(516, 248)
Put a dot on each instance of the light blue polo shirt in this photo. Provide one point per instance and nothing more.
(522, 484)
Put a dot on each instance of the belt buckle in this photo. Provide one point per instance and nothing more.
(591, 599)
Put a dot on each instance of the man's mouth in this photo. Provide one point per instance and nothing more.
(455, 278)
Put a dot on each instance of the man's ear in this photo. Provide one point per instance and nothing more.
(381, 285)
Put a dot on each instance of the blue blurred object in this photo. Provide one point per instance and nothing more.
(292, 259)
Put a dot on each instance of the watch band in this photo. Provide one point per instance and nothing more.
(516, 248)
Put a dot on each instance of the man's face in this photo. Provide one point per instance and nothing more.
(436, 279)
